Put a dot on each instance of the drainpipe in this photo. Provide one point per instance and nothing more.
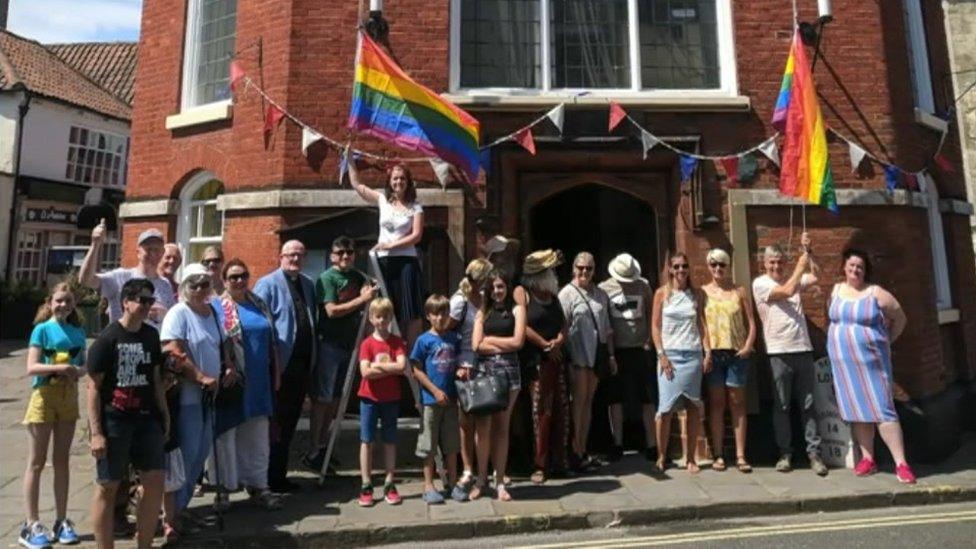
(12, 240)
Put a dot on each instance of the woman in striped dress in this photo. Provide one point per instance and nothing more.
(864, 320)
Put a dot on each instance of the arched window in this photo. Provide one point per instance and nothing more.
(200, 224)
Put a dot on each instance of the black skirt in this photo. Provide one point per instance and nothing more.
(405, 285)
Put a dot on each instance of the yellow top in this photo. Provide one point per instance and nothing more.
(726, 322)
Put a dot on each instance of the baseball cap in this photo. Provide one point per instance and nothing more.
(150, 233)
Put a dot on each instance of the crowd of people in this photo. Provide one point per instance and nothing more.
(207, 375)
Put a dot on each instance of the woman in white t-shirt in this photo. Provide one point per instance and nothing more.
(401, 229)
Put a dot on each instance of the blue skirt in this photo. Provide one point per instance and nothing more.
(686, 383)
(405, 285)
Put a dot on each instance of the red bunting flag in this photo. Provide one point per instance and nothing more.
(272, 117)
(617, 114)
(524, 137)
(911, 181)
(944, 163)
(731, 166)
(236, 74)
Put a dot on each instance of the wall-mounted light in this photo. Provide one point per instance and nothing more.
(825, 10)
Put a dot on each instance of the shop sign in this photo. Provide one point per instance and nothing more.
(51, 215)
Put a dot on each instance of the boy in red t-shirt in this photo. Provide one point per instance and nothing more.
(382, 359)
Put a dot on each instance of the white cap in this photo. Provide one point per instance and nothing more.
(194, 269)
(150, 233)
(624, 268)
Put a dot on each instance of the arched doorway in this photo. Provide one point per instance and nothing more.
(599, 219)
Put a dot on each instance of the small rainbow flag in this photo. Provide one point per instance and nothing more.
(805, 172)
(389, 105)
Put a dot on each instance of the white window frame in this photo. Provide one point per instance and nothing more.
(31, 274)
(123, 163)
(940, 259)
(918, 56)
(190, 58)
(728, 77)
(187, 207)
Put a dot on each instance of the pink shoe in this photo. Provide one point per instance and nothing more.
(865, 467)
(904, 474)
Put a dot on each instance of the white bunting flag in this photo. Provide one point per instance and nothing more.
(309, 138)
(648, 141)
(857, 155)
(769, 149)
(442, 170)
(556, 115)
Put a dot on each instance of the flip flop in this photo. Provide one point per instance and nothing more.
(743, 466)
(718, 464)
(693, 468)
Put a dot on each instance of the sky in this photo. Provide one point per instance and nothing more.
(57, 21)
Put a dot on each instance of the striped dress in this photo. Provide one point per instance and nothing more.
(860, 355)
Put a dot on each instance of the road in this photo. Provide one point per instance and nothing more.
(942, 526)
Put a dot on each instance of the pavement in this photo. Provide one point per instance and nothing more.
(622, 494)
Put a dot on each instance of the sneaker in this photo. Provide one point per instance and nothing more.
(818, 466)
(459, 494)
(616, 453)
(431, 497)
(904, 474)
(865, 467)
(34, 536)
(64, 530)
(366, 498)
(784, 465)
(314, 461)
(391, 495)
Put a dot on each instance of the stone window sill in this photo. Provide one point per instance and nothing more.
(931, 121)
(690, 101)
(204, 114)
(948, 316)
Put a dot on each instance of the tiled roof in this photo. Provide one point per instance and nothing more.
(110, 64)
(28, 64)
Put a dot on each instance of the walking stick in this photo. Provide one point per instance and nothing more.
(211, 399)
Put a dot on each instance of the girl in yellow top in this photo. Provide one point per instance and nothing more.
(732, 331)
(55, 359)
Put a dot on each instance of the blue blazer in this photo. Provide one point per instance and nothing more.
(273, 289)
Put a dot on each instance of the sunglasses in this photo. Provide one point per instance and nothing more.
(238, 277)
(584, 268)
(145, 300)
(197, 286)
(716, 264)
(680, 267)
(348, 253)
(209, 262)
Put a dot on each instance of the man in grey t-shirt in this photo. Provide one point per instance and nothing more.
(109, 283)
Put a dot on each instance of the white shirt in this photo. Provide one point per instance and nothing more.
(110, 287)
(783, 323)
(396, 223)
(202, 337)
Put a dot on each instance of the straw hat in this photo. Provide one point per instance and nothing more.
(624, 268)
(540, 260)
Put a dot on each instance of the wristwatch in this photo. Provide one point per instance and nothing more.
(660, 353)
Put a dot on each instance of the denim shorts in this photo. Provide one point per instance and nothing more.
(384, 413)
(728, 370)
(329, 374)
(507, 364)
(137, 440)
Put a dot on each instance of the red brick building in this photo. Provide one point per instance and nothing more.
(704, 73)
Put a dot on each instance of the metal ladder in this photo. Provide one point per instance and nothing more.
(353, 368)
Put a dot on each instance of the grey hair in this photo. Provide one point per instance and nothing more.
(718, 254)
(584, 256)
(185, 284)
(773, 250)
(544, 281)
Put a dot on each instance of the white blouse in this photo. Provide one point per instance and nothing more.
(396, 223)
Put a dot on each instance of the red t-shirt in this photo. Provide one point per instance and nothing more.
(384, 389)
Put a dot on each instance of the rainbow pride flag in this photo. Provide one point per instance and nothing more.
(389, 105)
(805, 171)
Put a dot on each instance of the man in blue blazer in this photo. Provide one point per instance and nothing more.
(290, 296)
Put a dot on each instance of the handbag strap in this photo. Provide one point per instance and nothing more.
(220, 339)
(586, 301)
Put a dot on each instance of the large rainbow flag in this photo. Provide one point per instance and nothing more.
(805, 172)
(389, 105)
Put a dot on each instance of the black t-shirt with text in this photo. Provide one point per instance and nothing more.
(128, 362)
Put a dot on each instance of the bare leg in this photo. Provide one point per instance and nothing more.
(737, 406)
(647, 418)
(149, 504)
(499, 440)
(694, 425)
(892, 436)
(103, 504)
(450, 463)
(389, 459)
(64, 432)
(366, 462)
(579, 406)
(587, 415)
(663, 432)
(864, 438)
(466, 422)
(429, 472)
(169, 508)
(683, 425)
(39, 436)
(617, 423)
(482, 445)
(716, 418)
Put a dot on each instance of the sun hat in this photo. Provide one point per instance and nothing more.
(540, 260)
(624, 268)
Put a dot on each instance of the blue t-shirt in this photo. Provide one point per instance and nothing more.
(54, 337)
(437, 355)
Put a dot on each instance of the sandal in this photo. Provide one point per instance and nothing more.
(268, 500)
(719, 464)
(693, 468)
(476, 492)
(658, 467)
(502, 492)
(743, 466)
(170, 533)
(538, 477)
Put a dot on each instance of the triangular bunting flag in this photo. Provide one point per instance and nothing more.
(309, 138)
(648, 141)
(944, 163)
(771, 151)
(891, 177)
(272, 117)
(524, 137)
(731, 166)
(442, 170)
(911, 181)
(484, 160)
(236, 74)
(617, 113)
(343, 164)
(857, 155)
(557, 114)
(748, 168)
(688, 165)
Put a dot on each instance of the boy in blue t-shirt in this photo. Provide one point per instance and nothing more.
(434, 360)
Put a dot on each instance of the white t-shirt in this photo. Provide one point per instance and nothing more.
(202, 338)
(394, 225)
(583, 335)
(783, 323)
(110, 287)
(461, 306)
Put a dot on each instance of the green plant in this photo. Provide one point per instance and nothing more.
(12, 291)
(83, 294)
